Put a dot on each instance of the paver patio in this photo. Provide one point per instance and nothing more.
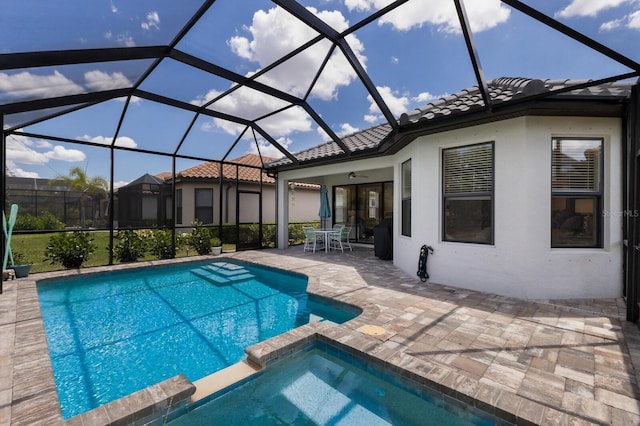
(528, 362)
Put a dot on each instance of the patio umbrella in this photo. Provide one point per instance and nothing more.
(325, 210)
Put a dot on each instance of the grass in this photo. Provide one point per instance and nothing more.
(34, 247)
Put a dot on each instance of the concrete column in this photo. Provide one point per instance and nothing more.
(282, 218)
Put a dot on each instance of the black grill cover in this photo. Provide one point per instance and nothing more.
(382, 241)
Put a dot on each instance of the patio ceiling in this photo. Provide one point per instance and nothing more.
(123, 60)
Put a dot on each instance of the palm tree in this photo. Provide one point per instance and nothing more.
(78, 181)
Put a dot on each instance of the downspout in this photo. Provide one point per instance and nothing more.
(226, 201)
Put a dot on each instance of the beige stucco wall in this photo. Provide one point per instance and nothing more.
(304, 203)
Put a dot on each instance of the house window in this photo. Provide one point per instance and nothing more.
(406, 198)
(467, 180)
(179, 206)
(204, 205)
(576, 192)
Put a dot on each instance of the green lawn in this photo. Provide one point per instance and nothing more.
(34, 246)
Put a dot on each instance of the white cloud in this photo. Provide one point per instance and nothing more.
(275, 33)
(397, 104)
(120, 183)
(587, 7)
(634, 20)
(63, 154)
(153, 21)
(126, 40)
(630, 21)
(395, 60)
(347, 129)
(268, 150)
(483, 14)
(25, 85)
(123, 141)
(100, 80)
(372, 118)
(18, 172)
(424, 98)
(20, 150)
(250, 104)
(123, 39)
(611, 25)
(114, 8)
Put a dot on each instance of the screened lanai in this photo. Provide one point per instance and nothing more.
(127, 89)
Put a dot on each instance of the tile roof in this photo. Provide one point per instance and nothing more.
(500, 90)
(508, 89)
(211, 170)
(359, 141)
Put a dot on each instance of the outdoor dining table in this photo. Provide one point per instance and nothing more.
(325, 233)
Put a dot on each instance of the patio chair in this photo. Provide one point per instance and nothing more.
(311, 239)
(341, 239)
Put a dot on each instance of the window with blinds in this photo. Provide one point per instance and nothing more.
(577, 164)
(468, 169)
(576, 192)
(406, 198)
(467, 187)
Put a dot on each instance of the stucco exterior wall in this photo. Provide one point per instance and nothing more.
(521, 261)
(303, 205)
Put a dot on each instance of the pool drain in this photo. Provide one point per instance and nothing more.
(372, 330)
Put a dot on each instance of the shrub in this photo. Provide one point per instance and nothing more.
(296, 233)
(45, 221)
(130, 247)
(26, 222)
(215, 242)
(71, 249)
(161, 244)
(20, 258)
(200, 238)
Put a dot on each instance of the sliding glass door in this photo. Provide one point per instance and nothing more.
(363, 207)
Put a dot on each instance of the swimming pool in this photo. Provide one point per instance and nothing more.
(327, 386)
(111, 335)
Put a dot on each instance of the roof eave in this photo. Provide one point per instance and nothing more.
(559, 107)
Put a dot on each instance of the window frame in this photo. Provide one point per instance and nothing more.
(469, 195)
(580, 194)
(405, 226)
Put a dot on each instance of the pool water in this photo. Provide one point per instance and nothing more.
(111, 335)
(324, 387)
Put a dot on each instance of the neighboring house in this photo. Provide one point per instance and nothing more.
(144, 202)
(202, 195)
(523, 201)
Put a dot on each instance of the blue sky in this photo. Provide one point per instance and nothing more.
(414, 55)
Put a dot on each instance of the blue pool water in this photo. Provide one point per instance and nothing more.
(111, 335)
(325, 386)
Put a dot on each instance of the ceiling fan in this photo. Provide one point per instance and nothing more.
(353, 175)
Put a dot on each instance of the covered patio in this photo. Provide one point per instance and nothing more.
(525, 362)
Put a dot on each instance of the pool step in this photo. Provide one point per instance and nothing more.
(223, 273)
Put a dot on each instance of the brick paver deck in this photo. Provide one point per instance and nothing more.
(528, 362)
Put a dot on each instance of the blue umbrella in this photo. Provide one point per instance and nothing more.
(325, 210)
